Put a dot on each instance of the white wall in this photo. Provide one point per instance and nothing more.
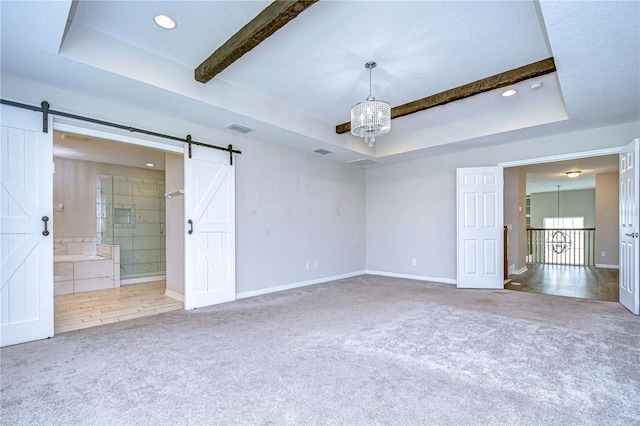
(293, 208)
(607, 231)
(411, 207)
(581, 203)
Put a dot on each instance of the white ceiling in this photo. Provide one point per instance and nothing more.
(302, 81)
(545, 177)
(76, 147)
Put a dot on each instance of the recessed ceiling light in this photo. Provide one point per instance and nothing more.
(509, 92)
(536, 85)
(150, 165)
(165, 22)
(574, 173)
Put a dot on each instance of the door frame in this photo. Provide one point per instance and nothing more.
(562, 157)
(81, 128)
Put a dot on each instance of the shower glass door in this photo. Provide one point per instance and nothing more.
(131, 214)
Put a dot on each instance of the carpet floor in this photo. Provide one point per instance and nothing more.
(361, 351)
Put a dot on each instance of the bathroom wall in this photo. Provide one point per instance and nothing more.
(74, 186)
(84, 195)
(174, 171)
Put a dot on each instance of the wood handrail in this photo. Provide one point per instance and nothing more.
(561, 229)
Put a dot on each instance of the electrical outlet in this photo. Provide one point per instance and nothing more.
(316, 264)
(603, 254)
(413, 262)
(307, 265)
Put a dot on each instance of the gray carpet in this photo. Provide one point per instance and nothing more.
(360, 351)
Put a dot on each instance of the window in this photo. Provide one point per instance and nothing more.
(564, 240)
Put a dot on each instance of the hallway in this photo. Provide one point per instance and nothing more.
(584, 282)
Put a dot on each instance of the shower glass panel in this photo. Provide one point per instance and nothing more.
(134, 219)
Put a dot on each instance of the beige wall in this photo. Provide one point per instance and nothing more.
(515, 216)
(74, 186)
(580, 203)
(174, 165)
(515, 193)
(607, 219)
(522, 221)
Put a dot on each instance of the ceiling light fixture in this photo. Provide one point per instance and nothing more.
(536, 85)
(509, 92)
(574, 173)
(150, 165)
(370, 118)
(165, 22)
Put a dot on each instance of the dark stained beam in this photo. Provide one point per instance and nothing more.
(270, 20)
(497, 81)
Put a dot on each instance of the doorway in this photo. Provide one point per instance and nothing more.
(109, 232)
(581, 262)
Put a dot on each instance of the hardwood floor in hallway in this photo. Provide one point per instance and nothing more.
(89, 309)
(584, 282)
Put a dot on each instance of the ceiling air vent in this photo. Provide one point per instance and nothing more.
(239, 128)
(322, 151)
(364, 162)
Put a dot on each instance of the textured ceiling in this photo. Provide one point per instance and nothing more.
(302, 81)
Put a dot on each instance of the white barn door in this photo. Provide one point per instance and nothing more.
(479, 209)
(210, 273)
(629, 227)
(26, 186)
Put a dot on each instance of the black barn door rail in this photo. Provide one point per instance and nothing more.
(45, 110)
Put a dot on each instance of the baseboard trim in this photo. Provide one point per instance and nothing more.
(172, 294)
(414, 277)
(513, 271)
(604, 265)
(268, 290)
(143, 280)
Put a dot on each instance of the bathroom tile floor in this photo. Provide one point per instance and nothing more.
(92, 308)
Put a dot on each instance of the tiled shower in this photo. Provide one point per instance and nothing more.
(131, 213)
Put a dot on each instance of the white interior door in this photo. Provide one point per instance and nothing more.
(480, 233)
(210, 273)
(26, 182)
(629, 219)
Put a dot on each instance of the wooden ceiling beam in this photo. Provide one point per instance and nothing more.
(507, 78)
(270, 20)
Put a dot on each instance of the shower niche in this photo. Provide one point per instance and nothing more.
(131, 214)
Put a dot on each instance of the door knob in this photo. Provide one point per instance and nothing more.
(632, 235)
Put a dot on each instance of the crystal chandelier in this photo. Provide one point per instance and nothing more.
(370, 118)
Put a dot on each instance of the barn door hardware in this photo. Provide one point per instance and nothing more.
(45, 219)
(44, 108)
